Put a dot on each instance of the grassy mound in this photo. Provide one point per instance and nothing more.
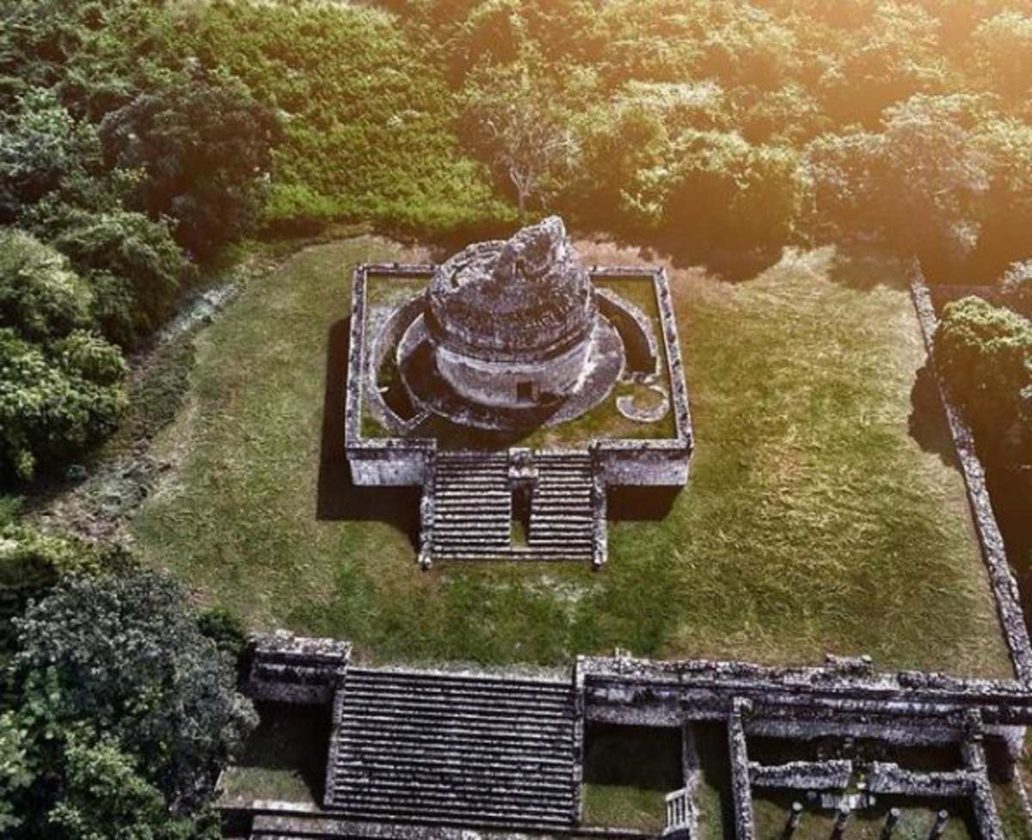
(824, 513)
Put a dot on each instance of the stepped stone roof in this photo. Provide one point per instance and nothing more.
(527, 298)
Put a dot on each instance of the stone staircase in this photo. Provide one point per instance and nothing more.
(472, 505)
(561, 514)
(473, 508)
(428, 747)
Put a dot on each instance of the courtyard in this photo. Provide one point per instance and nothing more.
(824, 513)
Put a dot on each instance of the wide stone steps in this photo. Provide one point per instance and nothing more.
(472, 504)
(561, 514)
(453, 749)
(473, 508)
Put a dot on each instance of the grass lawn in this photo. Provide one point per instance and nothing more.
(284, 759)
(821, 516)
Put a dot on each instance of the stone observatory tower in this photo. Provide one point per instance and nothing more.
(512, 323)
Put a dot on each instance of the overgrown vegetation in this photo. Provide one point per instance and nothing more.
(142, 140)
(120, 704)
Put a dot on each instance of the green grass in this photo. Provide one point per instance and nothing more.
(628, 771)
(820, 517)
(284, 759)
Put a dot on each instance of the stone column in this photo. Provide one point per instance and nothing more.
(794, 818)
(891, 820)
(841, 818)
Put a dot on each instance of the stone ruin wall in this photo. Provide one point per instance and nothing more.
(495, 382)
(1004, 585)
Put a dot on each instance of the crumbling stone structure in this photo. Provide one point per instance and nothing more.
(503, 751)
(505, 338)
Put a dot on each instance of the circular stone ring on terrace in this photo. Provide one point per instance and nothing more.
(428, 388)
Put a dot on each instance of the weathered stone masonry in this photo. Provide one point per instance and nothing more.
(504, 750)
(1005, 587)
(467, 507)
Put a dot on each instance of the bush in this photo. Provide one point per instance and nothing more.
(1016, 284)
(43, 151)
(122, 658)
(204, 146)
(225, 629)
(41, 298)
(367, 118)
(51, 404)
(137, 265)
(725, 192)
(985, 352)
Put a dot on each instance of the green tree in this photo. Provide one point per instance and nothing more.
(985, 352)
(41, 297)
(721, 190)
(133, 263)
(124, 657)
(521, 127)
(57, 400)
(1007, 216)
(204, 147)
(105, 797)
(1003, 49)
(43, 151)
(935, 175)
(17, 773)
(1016, 284)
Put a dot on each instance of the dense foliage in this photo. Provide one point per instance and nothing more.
(60, 385)
(986, 353)
(123, 713)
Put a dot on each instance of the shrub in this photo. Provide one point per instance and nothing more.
(43, 151)
(41, 298)
(726, 192)
(51, 407)
(123, 657)
(204, 145)
(137, 263)
(1016, 284)
(985, 352)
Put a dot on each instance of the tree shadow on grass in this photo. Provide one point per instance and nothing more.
(927, 422)
(338, 497)
(864, 266)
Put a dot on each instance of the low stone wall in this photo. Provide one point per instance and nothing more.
(888, 778)
(292, 669)
(741, 788)
(802, 775)
(644, 463)
(390, 463)
(634, 327)
(623, 689)
(1005, 587)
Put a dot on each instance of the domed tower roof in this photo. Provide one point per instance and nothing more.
(528, 298)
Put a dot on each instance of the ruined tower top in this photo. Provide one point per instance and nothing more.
(527, 298)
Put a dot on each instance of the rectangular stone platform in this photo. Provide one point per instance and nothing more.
(445, 748)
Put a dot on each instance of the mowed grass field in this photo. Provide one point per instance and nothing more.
(823, 515)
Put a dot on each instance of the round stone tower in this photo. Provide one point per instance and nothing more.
(512, 322)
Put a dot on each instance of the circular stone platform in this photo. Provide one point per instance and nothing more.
(428, 388)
